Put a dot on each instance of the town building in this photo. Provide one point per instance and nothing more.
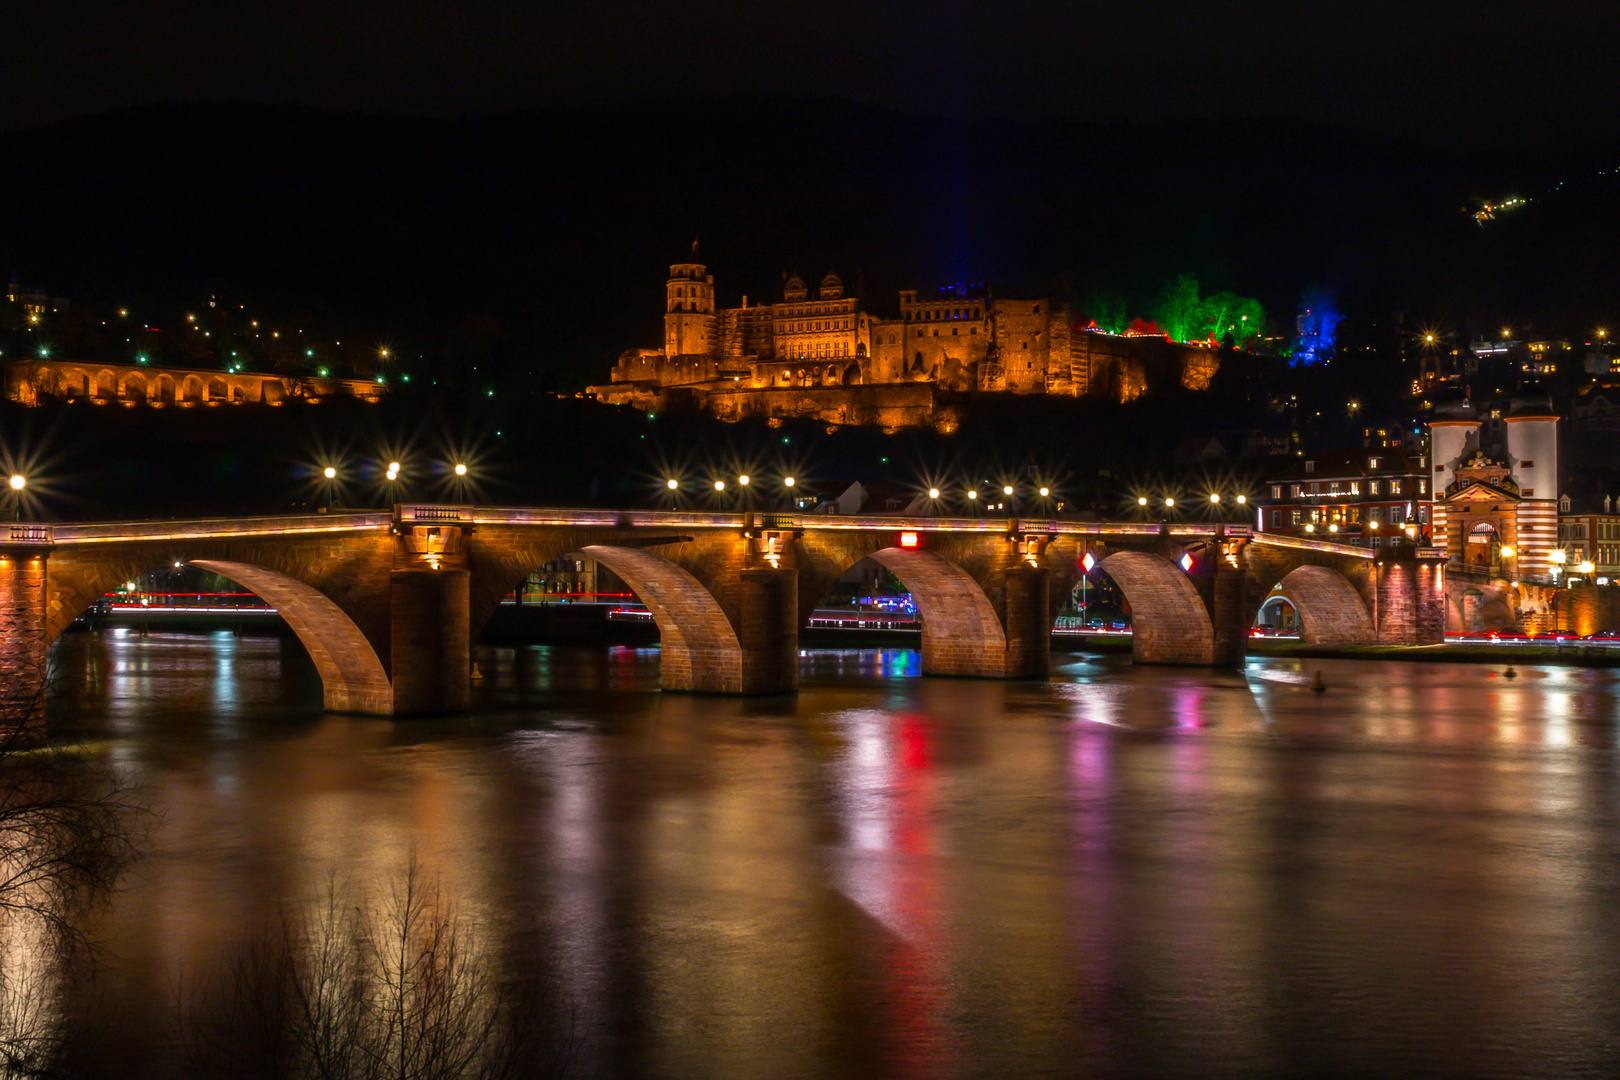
(1373, 497)
(1589, 531)
(821, 354)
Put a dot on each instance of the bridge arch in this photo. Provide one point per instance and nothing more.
(352, 675)
(106, 385)
(699, 649)
(961, 632)
(134, 388)
(1169, 623)
(1331, 611)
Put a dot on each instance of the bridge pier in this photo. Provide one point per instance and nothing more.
(429, 641)
(22, 641)
(1410, 606)
(768, 630)
(1028, 623)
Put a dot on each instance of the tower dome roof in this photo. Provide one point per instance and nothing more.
(1455, 408)
(832, 287)
(793, 288)
(1531, 401)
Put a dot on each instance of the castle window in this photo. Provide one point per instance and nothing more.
(919, 331)
(973, 330)
(1037, 309)
(956, 331)
(1527, 464)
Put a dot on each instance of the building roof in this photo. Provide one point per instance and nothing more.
(1350, 464)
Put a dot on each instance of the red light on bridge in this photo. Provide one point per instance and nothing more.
(909, 540)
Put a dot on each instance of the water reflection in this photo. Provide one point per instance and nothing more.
(1126, 871)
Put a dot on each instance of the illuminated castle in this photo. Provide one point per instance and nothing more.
(824, 356)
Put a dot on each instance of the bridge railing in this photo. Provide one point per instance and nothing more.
(1300, 543)
(28, 533)
(769, 519)
(104, 532)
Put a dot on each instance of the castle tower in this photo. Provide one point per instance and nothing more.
(689, 324)
(1453, 439)
(1532, 446)
(1532, 450)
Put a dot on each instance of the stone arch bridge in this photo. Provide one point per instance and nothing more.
(388, 603)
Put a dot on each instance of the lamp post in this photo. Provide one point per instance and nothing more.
(18, 482)
(1087, 561)
(331, 484)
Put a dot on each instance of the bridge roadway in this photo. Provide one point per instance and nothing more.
(388, 603)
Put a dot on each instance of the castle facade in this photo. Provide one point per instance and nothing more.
(822, 355)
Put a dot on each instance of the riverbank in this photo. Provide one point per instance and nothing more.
(1570, 654)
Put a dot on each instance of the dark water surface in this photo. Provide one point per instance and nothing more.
(1127, 871)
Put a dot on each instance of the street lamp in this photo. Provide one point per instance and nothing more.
(1045, 491)
(461, 468)
(18, 482)
(331, 483)
(672, 484)
(933, 493)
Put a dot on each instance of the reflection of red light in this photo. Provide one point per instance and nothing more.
(908, 540)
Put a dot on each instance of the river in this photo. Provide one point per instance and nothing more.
(1122, 872)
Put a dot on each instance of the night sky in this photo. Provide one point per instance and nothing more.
(1486, 72)
(506, 183)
